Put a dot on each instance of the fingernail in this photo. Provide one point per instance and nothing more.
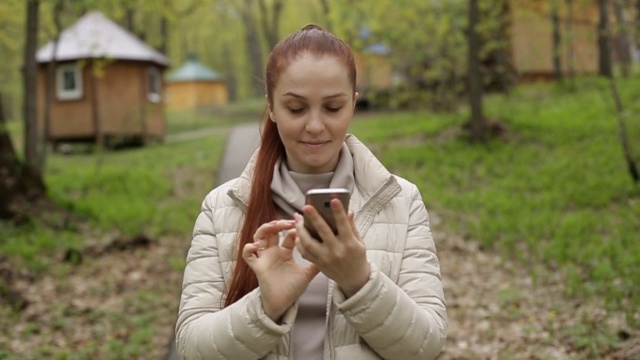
(297, 217)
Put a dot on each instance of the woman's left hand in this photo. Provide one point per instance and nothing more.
(341, 257)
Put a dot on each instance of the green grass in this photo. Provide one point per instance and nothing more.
(154, 190)
(555, 192)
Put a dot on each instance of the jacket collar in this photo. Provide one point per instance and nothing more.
(375, 185)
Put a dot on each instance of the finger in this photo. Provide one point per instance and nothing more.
(249, 252)
(289, 241)
(342, 221)
(352, 223)
(268, 232)
(306, 242)
(323, 229)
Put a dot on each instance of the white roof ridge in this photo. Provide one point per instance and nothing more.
(95, 36)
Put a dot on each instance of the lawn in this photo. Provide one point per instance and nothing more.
(553, 191)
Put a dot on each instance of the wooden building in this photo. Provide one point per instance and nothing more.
(531, 38)
(374, 69)
(107, 85)
(194, 85)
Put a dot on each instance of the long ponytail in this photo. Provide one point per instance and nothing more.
(261, 209)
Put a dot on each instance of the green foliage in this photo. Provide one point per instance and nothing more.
(554, 190)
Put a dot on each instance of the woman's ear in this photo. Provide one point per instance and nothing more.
(271, 116)
(356, 96)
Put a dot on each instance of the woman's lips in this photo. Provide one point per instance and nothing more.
(315, 144)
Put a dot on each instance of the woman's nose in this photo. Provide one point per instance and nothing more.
(314, 123)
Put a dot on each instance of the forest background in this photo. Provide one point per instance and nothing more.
(541, 174)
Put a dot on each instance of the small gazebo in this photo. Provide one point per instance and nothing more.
(194, 85)
(107, 85)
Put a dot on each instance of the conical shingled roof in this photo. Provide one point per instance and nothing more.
(95, 36)
(193, 70)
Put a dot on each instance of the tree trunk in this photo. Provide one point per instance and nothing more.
(625, 40)
(129, 19)
(622, 131)
(164, 30)
(271, 24)
(30, 95)
(16, 181)
(474, 75)
(9, 172)
(638, 23)
(164, 35)
(254, 48)
(605, 66)
(557, 40)
(51, 78)
(570, 49)
(230, 77)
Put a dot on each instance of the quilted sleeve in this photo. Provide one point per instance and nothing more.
(407, 319)
(204, 329)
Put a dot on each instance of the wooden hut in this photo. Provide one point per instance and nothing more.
(194, 85)
(532, 39)
(107, 85)
(374, 67)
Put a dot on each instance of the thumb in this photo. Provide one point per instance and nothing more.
(289, 241)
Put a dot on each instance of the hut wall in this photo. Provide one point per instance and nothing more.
(120, 92)
(69, 119)
(193, 94)
(374, 71)
(125, 108)
(531, 36)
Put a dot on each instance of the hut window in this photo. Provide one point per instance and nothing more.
(154, 85)
(69, 82)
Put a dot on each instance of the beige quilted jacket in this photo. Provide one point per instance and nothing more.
(399, 313)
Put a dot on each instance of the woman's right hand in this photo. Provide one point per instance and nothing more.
(280, 278)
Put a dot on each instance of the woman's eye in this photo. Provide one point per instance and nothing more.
(333, 109)
(296, 110)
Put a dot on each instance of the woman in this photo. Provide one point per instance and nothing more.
(257, 285)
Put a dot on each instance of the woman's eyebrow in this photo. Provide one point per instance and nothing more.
(298, 96)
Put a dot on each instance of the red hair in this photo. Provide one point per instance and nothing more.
(261, 208)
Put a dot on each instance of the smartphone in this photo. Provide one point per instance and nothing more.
(321, 200)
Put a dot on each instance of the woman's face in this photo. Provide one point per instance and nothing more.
(313, 103)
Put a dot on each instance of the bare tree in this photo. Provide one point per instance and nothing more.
(622, 132)
(254, 47)
(51, 73)
(557, 40)
(605, 62)
(638, 23)
(625, 39)
(23, 179)
(477, 123)
(30, 73)
(10, 170)
(270, 20)
(570, 43)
